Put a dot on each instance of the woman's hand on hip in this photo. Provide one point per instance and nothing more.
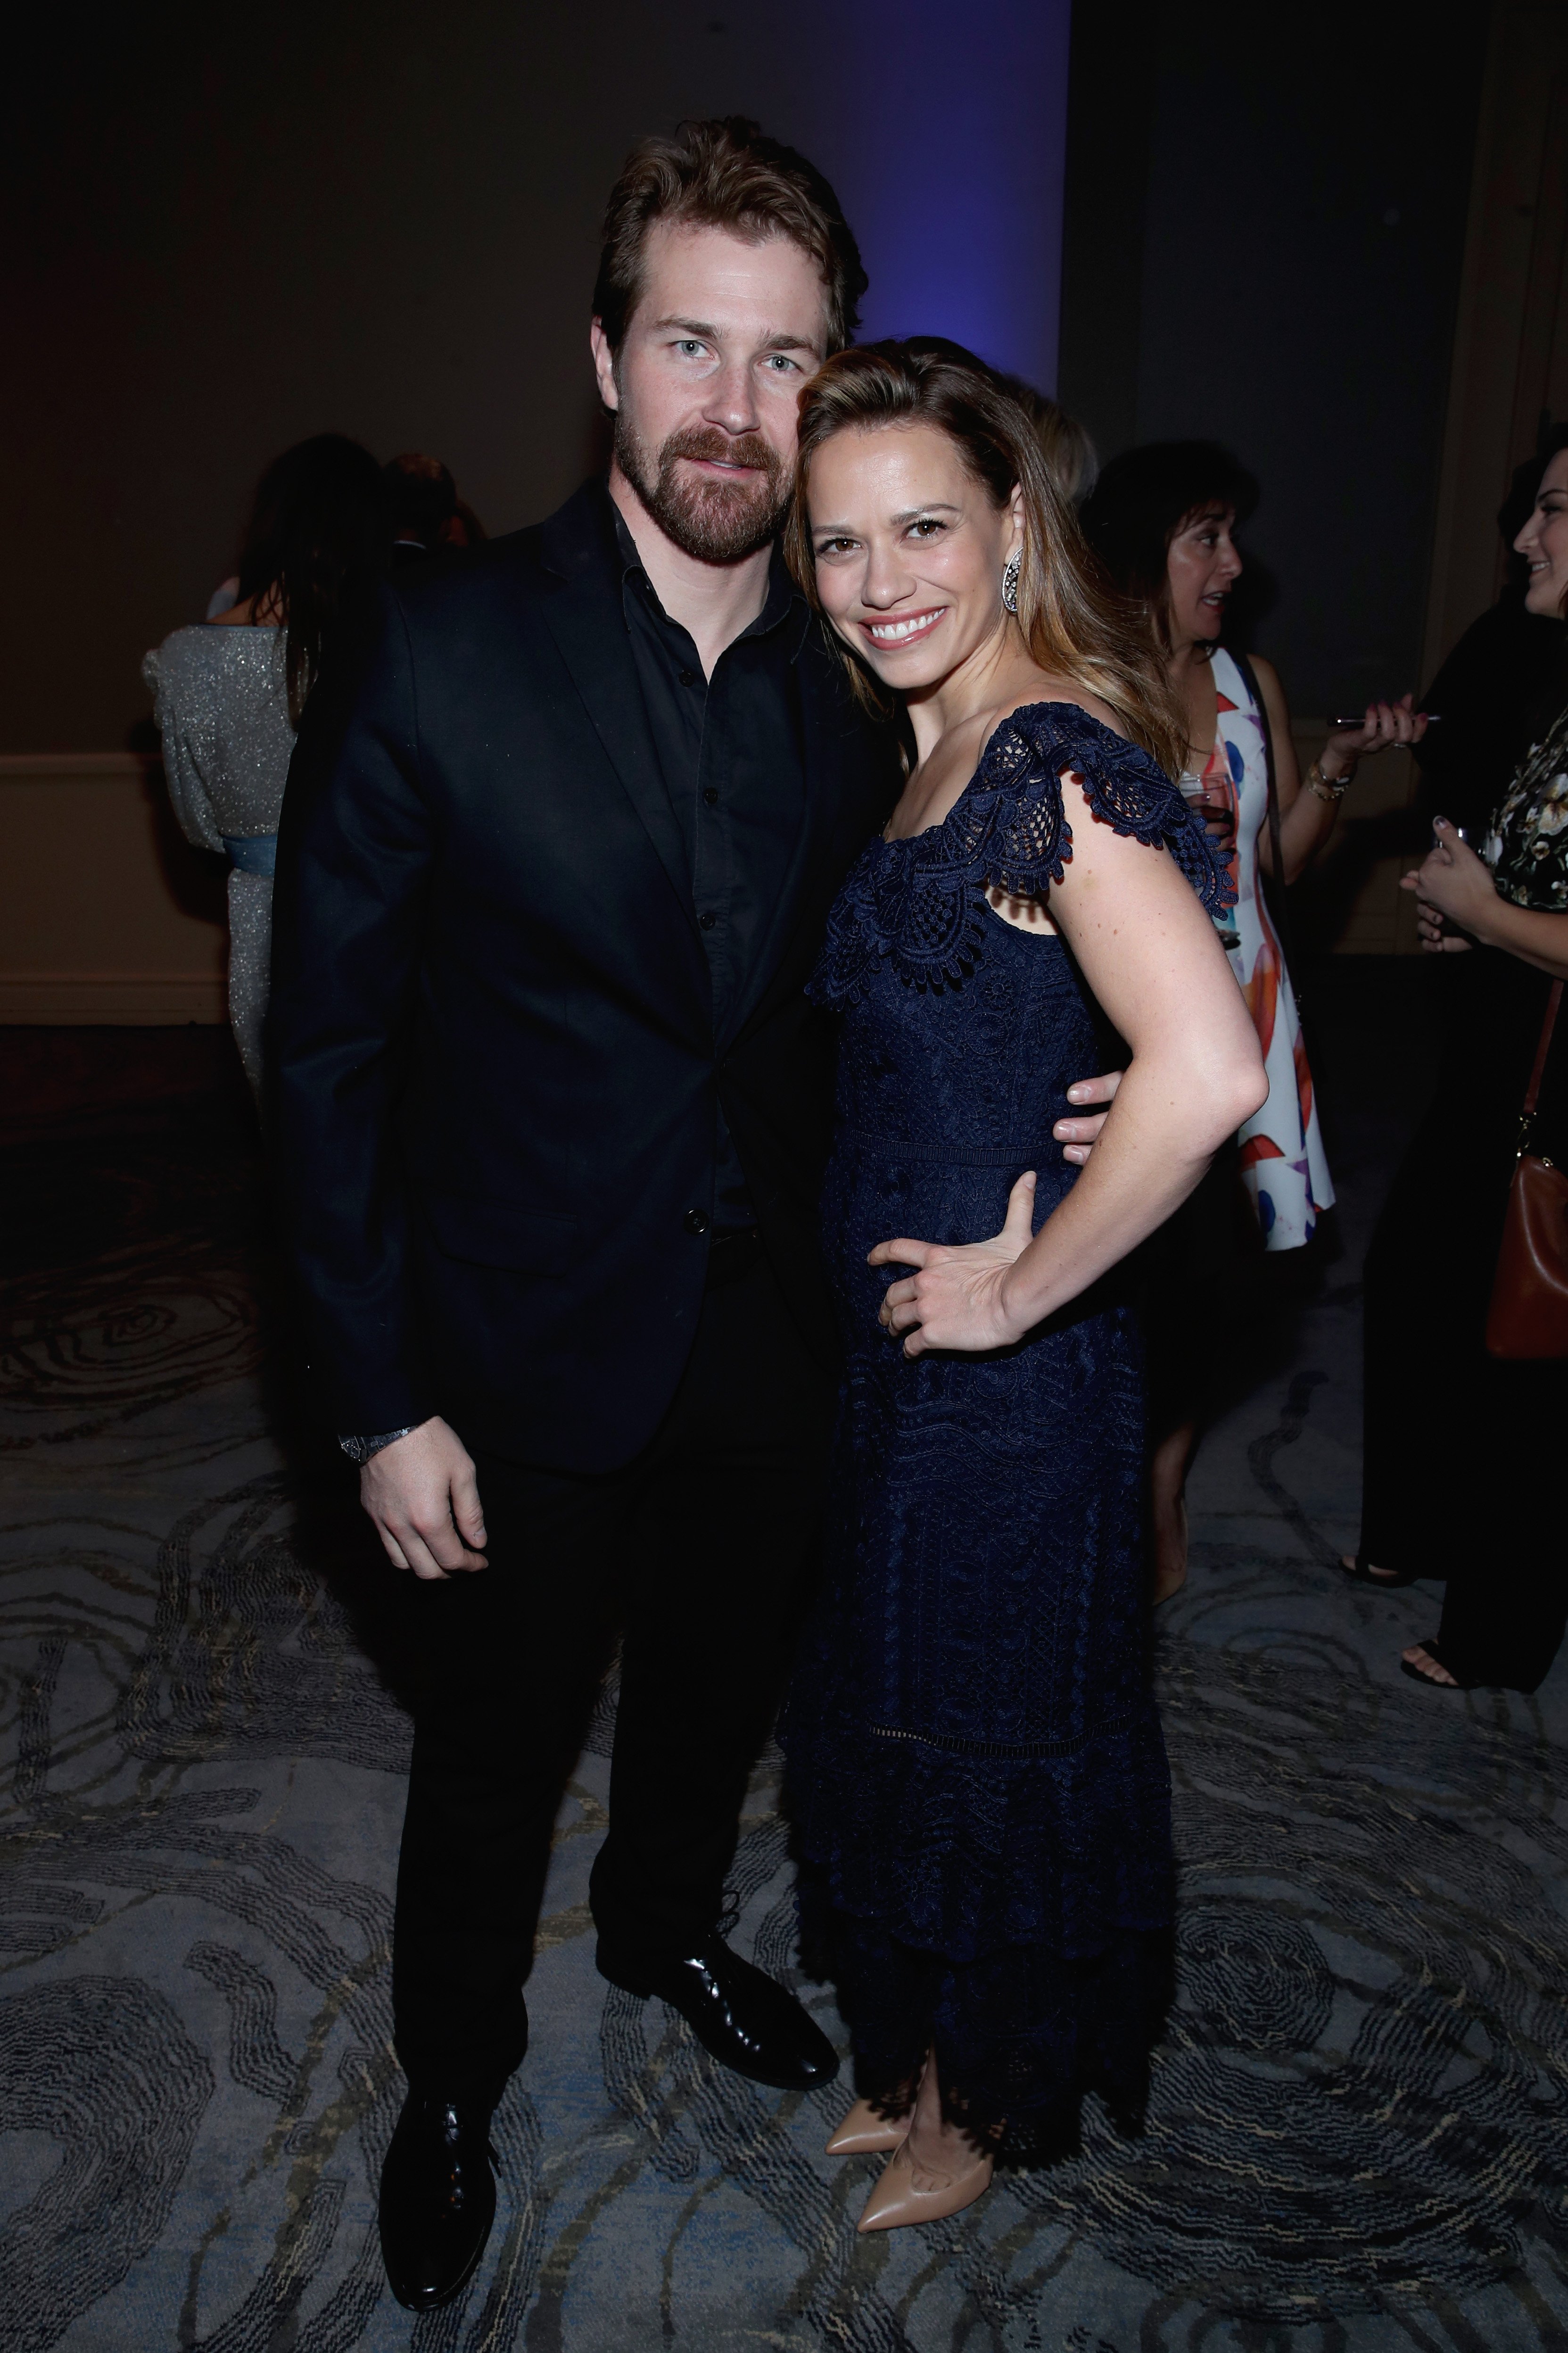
(956, 1297)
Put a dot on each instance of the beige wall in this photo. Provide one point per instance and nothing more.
(106, 911)
(1350, 900)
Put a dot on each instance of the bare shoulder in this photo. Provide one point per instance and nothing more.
(1045, 688)
(1269, 684)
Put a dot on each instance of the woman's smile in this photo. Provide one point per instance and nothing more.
(1543, 541)
(891, 634)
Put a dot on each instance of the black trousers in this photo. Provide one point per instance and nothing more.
(701, 1555)
(1461, 1475)
(1195, 1277)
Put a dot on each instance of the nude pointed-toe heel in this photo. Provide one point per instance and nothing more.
(864, 2132)
(897, 2201)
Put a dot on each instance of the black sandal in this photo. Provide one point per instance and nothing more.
(1359, 1571)
(1431, 1683)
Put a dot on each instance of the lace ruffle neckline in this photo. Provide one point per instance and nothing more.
(919, 903)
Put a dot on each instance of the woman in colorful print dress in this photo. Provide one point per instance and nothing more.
(1164, 521)
(1460, 1468)
(1280, 1149)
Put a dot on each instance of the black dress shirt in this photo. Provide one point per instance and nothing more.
(732, 752)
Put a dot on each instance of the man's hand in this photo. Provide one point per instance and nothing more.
(1082, 1135)
(1216, 808)
(956, 1299)
(422, 1494)
(1454, 886)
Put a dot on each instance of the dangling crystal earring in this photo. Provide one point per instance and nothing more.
(1010, 583)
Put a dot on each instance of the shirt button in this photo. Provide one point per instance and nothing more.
(711, 796)
(696, 1221)
(707, 920)
(689, 678)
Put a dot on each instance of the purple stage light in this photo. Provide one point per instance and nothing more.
(945, 133)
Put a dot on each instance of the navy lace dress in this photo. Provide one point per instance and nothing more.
(975, 1766)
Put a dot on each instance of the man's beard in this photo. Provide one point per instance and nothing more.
(716, 521)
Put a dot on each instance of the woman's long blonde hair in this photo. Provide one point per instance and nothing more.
(1073, 623)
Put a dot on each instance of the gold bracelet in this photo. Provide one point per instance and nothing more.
(1325, 788)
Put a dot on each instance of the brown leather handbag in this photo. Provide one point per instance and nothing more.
(1529, 1311)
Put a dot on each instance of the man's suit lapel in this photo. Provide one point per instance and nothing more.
(587, 622)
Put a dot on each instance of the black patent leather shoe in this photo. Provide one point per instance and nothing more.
(437, 2200)
(747, 2020)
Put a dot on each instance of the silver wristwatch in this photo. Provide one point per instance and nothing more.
(360, 1450)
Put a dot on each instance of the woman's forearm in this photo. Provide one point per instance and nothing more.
(1304, 827)
(1536, 938)
(1160, 1134)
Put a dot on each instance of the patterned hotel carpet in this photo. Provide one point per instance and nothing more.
(1357, 2137)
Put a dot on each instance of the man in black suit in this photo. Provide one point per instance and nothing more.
(549, 1108)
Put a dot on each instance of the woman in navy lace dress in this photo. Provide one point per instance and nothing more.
(976, 1764)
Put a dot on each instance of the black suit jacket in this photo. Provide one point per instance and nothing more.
(494, 1065)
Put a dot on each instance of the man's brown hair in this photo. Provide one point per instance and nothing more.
(725, 173)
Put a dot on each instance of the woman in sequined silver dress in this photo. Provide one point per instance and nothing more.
(227, 693)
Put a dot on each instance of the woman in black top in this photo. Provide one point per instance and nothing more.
(1461, 1477)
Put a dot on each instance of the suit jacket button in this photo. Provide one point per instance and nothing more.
(696, 1221)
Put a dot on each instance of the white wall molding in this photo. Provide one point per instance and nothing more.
(106, 914)
(36, 767)
(118, 999)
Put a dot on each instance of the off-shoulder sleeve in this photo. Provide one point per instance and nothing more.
(1020, 830)
(917, 905)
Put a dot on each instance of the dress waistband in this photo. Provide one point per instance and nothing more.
(1022, 1751)
(957, 1155)
(252, 853)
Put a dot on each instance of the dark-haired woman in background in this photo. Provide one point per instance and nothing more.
(1460, 1476)
(1163, 520)
(228, 692)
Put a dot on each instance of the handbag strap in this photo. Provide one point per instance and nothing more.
(1281, 895)
(1544, 1047)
